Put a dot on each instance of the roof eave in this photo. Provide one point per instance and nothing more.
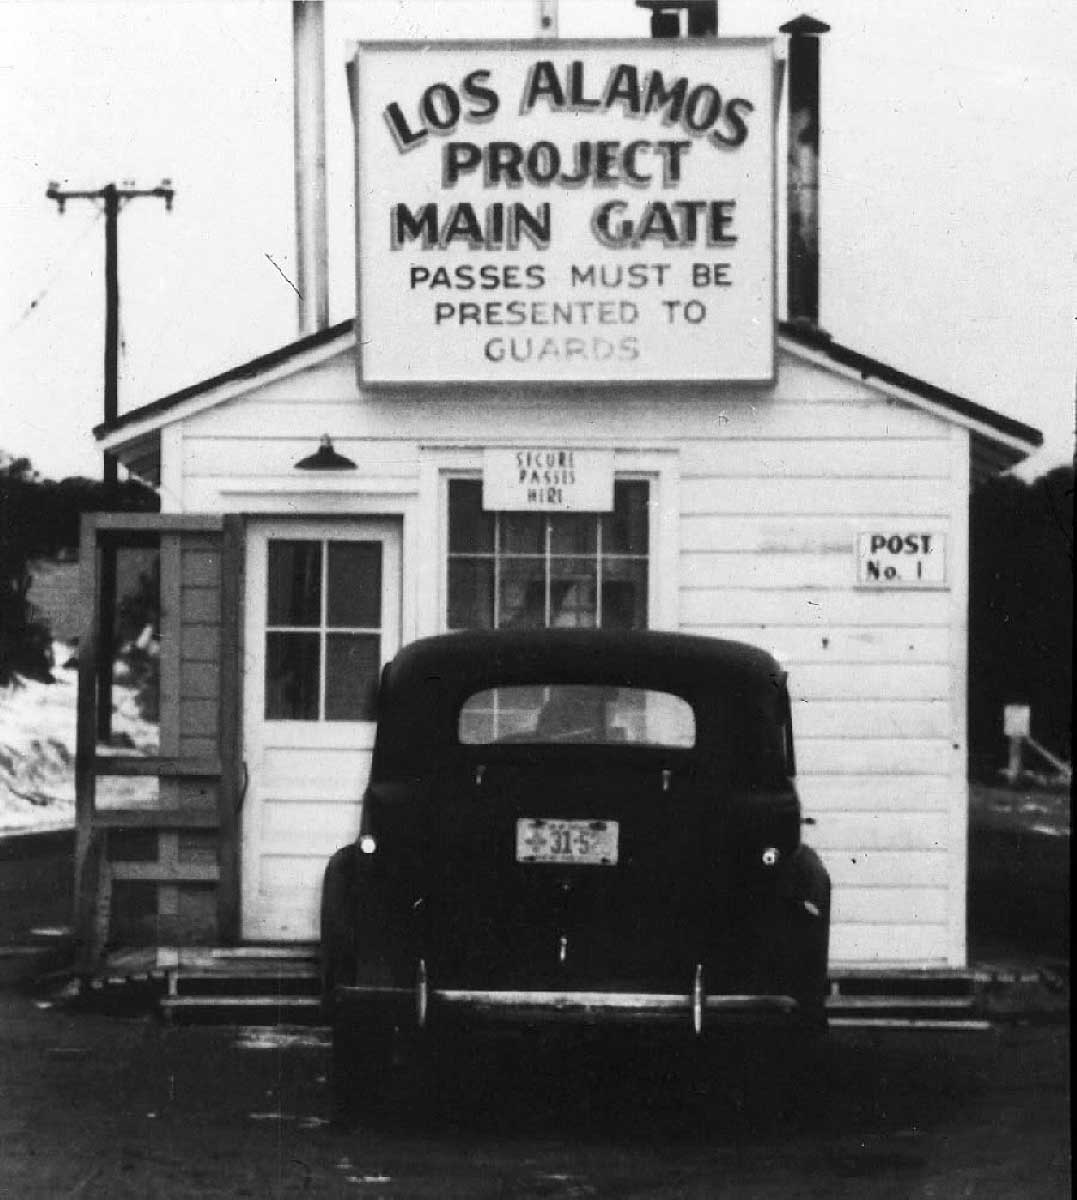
(284, 360)
(1021, 438)
(1011, 441)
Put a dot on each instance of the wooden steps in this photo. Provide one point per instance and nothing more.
(905, 999)
(259, 985)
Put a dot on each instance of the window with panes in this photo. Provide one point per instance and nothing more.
(521, 570)
(323, 629)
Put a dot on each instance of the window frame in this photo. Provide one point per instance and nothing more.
(595, 557)
(321, 629)
(439, 461)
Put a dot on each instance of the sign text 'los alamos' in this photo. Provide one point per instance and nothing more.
(579, 212)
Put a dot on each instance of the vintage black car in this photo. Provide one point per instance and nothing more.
(573, 826)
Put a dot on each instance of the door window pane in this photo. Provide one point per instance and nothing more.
(322, 660)
(292, 676)
(354, 585)
(352, 666)
(295, 583)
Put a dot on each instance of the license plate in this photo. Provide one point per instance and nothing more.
(552, 840)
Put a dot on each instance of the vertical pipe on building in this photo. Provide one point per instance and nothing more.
(311, 226)
(802, 266)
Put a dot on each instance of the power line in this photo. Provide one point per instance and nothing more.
(68, 259)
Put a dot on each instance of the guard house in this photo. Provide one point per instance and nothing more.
(566, 400)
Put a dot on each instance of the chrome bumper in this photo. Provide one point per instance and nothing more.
(422, 1005)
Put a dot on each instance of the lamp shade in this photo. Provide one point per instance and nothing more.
(325, 458)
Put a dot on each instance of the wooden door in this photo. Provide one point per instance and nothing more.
(322, 618)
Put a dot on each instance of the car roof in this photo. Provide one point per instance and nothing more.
(640, 658)
(427, 683)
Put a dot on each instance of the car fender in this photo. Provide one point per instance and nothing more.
(806, 881)
(337, 925)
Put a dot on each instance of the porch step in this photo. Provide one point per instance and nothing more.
(905, 1012)
(249, 1010)
(266, 985)
(905, 999)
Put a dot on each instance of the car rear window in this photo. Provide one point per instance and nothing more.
(584, 714)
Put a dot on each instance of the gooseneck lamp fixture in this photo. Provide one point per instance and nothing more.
(325, 458)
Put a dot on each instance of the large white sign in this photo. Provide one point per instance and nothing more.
(569, 211)
(547, 479)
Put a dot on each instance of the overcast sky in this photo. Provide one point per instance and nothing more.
(949, 172)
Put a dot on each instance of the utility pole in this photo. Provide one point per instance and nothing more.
(112, 197)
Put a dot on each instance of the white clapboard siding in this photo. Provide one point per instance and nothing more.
(898, 831)
(792, 533)
(873, 718)
(889, 906)
(860, 943)
(794, 646)
(703, 569)
(880, 458)
(217, 457)
(255, 416)
(852, 792)
(887, 868)
(879, 497)
(869, 681)
(711, 610)
(328, 495)
(873, 756)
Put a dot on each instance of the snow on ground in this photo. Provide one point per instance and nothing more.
(1022, 809)
(37, 750)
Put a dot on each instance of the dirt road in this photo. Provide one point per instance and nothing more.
(94, 1106)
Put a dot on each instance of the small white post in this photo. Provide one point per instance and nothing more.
(1016, 725)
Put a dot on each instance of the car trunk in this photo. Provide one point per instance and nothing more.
(563, 918)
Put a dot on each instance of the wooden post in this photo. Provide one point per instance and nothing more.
(1016, 725)
(1014, 767)
(86, 712)
(232, 782)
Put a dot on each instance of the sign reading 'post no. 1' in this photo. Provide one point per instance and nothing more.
(571, 211)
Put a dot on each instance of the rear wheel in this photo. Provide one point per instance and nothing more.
(783, 1075)
(361, 1070)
